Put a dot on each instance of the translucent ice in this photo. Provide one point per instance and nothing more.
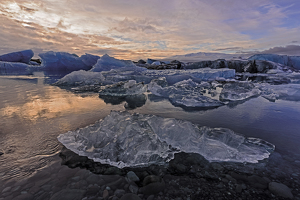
(62, 61)
(200, 74)
(184, 93)
(237, 91)
(81, 77)
(20, 56)
(285, 91)
(122, 139)
(121, 89)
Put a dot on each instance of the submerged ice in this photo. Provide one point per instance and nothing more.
(122, 139)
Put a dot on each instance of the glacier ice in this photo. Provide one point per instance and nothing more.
(107, 63)
(81, 77)
(123, 140)
(13, 66)
(62, 61)
(237, 91)
(289, 92)
(20, 56)
(291, 61)
(184, 93)
(121, 89)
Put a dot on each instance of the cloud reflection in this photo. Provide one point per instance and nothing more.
(53, 104)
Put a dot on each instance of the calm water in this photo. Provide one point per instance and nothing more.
(33, 113)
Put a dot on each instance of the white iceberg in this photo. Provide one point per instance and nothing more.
(62, 61)
(123, 140)
(238, 91)
(122, 89)
(20, 56)
(81, 77)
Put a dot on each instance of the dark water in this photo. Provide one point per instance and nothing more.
(33, 113)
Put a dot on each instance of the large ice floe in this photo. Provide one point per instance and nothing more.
(238, 91)
(290, 92)
(20, 56)
(62, 61)
(184, 93)
(123, 140)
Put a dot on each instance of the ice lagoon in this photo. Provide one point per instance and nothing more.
(35, 112)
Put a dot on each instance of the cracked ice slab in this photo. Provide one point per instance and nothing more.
(184, 93)
(122, 139)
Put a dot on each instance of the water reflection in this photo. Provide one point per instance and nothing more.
(53, 103)
(132, 101)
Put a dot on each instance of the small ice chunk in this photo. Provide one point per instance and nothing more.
(156, 63)
(184, 93)
(289, 92)
(238, 91)
(123, 140)
(122, 89)
(20, 56)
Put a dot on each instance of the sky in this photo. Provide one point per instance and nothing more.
(134, 29)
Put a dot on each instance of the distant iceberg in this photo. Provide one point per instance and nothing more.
(107, 63)
(62, 61)
(115, 70)
(123, 140)
(291, 61)
(20, 56)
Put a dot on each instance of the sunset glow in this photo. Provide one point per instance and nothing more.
(139, 29)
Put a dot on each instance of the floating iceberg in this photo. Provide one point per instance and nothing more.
(185, 93)
(13, 66)
(62, 61)
(122, 89)
(20, 56)
(106, 63)
(238, 91)
(173, 75)
(291, 61)
(289, 92)
(123, 140)
(81, 77)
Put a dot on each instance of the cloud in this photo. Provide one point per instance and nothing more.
(228, 49)
(287, 50)
(142, 28)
